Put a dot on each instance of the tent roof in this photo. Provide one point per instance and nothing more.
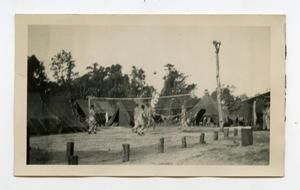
(100, 106)
(51, 114)
(104, 106)
(36, 108)
(83, 104)
(60, 105)
(206, 103)
(124, 109)
(128, 104)
(124, 112)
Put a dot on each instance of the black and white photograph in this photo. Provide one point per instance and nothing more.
(148, 92)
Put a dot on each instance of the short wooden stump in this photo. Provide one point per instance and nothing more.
(246, 136)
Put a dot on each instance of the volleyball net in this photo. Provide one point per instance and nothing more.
(120, 111)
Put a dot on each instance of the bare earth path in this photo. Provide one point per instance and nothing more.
(105, 147)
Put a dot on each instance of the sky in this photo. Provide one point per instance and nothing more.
(244, 53)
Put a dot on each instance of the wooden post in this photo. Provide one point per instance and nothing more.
(226, 133)
(254, 114)
(70, 149)
(28, 146)
(202, 138)
(216, 135)
(161, 145)
(247, 136)
(183, 140)
(235, 132)
(73, 160)
(220, 114)
(126, 152)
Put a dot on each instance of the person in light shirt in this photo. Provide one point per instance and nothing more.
(136, 115)
(142, 120)
(183, 125)
(92, 121)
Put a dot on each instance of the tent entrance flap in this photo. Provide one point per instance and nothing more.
(120, 112)
(199, 116)
(114, 118)
(121, 117)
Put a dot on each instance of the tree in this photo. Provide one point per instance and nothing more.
(137, 81)
(95, 80)
(62, 66)
(242, 97)
(92, 70)
(111, 82)
(115, 83)
(138, 86)
(174, 84)
(104, 81)
(36, 77)
(228, 99)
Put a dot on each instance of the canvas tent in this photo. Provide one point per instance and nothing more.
(127, 111)
(99, 106)
(121, 117)
(39, 119)
(206, 107)
(51, 114)
(120, 112)
(61, 106)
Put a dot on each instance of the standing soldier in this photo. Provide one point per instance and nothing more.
(149, 115)
(135, 117)
(183, 125)
(92, 121)
(142, 119)
(266, 118)
(106, 119)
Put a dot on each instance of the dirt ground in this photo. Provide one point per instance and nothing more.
(105, 147)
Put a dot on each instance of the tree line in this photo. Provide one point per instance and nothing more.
(98, 80)
(110, 81)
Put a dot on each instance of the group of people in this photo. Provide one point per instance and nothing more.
(143, 118)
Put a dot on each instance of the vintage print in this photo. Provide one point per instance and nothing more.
(155, 91)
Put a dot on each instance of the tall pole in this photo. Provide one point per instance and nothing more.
(217, 46)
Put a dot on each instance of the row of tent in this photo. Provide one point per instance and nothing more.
(60, 114)
(120, 112)
(51, 115)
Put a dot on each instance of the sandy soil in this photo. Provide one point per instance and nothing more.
(105, 147)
